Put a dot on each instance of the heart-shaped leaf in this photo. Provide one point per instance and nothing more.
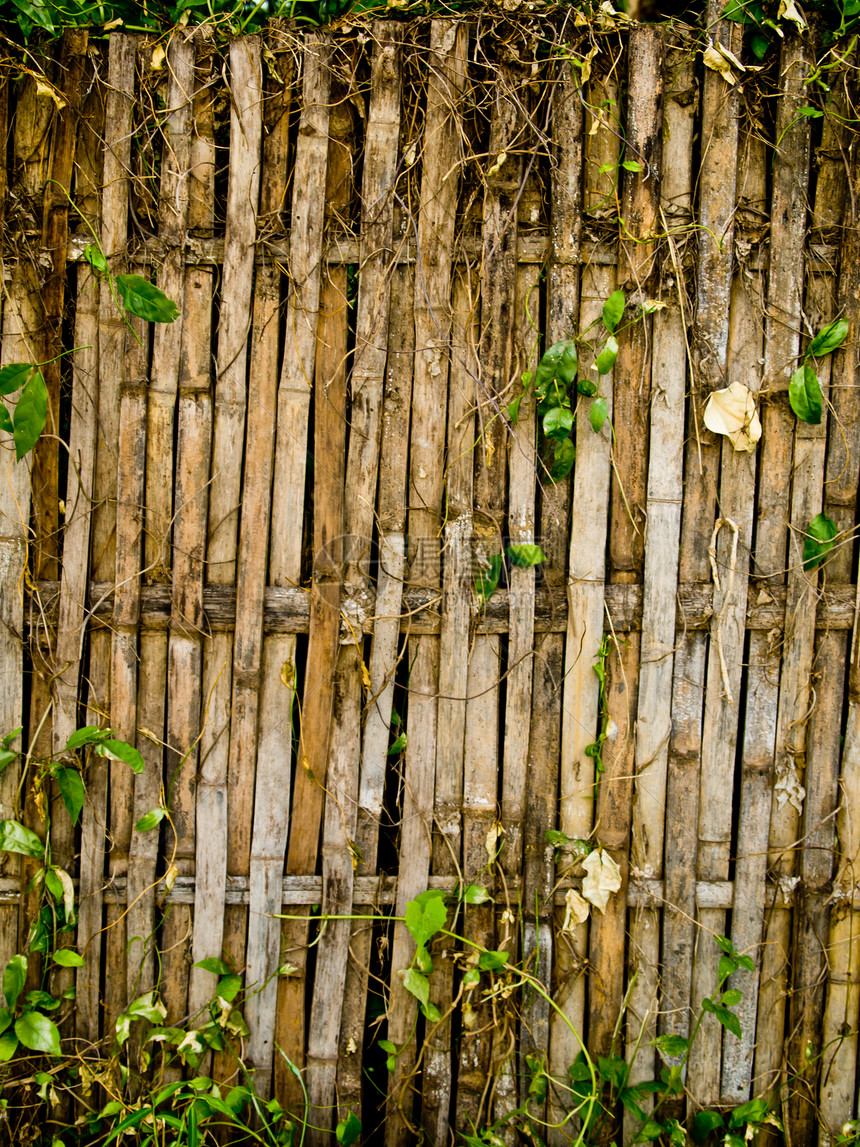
(820, 534)
(144, 299)
(38, 1033)
(30, 415)
(804, 394)
(827, 340)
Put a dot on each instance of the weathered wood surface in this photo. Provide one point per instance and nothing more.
(258, 564)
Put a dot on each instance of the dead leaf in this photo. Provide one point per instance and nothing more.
(43, 89)
(788, 10)
(575, 910)
(501, 158)
(158, 57)
(604, 878)
(491, 844)
(717, 62)
(732, 412)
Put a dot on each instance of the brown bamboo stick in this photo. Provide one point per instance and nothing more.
(717, 199)
(211, 852)
(585, 601)
(554, 509)
(775, 508)
(432, 309)
(258, 688)
(366, 385)
(309, 192)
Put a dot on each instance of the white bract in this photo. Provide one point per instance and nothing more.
(602, 879)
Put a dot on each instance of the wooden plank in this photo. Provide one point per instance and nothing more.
(432, 312)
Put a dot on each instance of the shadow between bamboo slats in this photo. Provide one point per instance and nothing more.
(294, 391)
(211, 852)
(716, 217)
(585, 603)
(263, 689)
(432, 312)
(339, 859)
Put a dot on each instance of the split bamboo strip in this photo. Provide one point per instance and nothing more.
(783, 469)
(716, 218)
(545, 717)
(630, 559)
(667, 429)
(585, 603)
(296, 380)
(737, 505)
(260, 722)
(842, 1005)
(211, 851)
(432, 310)
(500, 304)
(826, 656)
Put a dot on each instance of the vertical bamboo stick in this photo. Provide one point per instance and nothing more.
(384, 656)
(309, 197)
(775, 508)
(562, 308)
(432, 308)
(212, 851)
(716, 215)
(340, 824)
(154, 678)
(585, 604)
(256, 681)
(842, 1006)
(825, 661)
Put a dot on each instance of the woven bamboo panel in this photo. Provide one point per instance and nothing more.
(250, 542)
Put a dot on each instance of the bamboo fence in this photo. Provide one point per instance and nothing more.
(248, 546)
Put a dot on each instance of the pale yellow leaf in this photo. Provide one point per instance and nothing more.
(788, 10)
(576, 910)
(602, 879)
(718, 63)
(732, 412)
(43, 89)
(158, 57)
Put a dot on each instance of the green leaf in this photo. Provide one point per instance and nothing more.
(68, 958)
(725, 944)
(398, 745)
(8, 1046)
(38, 1033)
(804, 394)
(13, 376)
(144, 299)
(423, 961)
(54, 884)
(605, 361)
(598, 414)
(10, 737)
(525, 556)
(728, 1019)
(6, 420)
(86, 735)
(72, 791)
(833, 336)
(820, 534)
(151, 819)
(15, 837)
(613, 1069)
(514, 408)
(728, 966)
(212, 964)
(563, 460)
(7, 756)
(387, 1046)
(752, 1112)
(731, 997)
(95, 257)
(746, 962)
(31, 412)
(632, 165)
(229, 987)
(704, 1123)
(425, 919)
(673, 1045)
(558, 422)
(476, 894)
(14, 978)
(417, 985)
(586, 387)
(487, 580)
(348, 1130)
(120, 751)
(5, 1019)
(613, 308)
(649, 1131)
(492, 961)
